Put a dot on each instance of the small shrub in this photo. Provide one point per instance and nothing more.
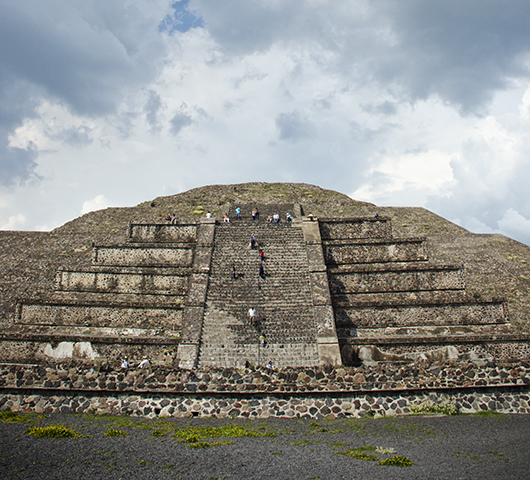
(9, 416)
(53, 431)
(397, 461)
(360, 454)
(445, 407)
(114, 432)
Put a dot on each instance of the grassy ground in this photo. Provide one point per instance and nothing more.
(462, 446)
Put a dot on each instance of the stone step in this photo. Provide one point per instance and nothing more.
(422, 314)
(118, 299)
(429, 331)
(389, 299)
(102, 315)
(373, 252)
(162, 233)
(280, 355)
(412, 280)
(355, 227)
(283, 300)
(143, 255)
(121, 282)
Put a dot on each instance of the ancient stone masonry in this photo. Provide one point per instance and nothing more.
(352, 318)
(131, 302)
(391, 304)
(289, 392)
(327, 285)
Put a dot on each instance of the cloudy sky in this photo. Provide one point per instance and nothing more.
(409, 102)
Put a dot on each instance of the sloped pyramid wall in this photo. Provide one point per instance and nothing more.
(335, 291)
(391, 304)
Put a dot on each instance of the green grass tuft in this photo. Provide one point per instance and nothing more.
(113, 432)
(397, 461)
(53, 431)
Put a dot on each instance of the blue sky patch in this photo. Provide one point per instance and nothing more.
(181, 20)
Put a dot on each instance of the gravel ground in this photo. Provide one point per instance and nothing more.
(458, 447)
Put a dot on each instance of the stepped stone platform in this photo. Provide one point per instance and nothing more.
(370, 303)
(337, 291)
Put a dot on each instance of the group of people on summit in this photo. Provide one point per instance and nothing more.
(272, 218)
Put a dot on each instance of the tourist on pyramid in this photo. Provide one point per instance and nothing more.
(252, 241)
(238, 213)
(262, 272)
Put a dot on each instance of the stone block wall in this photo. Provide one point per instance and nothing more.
(122, 282)
(398, 250)
(412, 298)
(99, 316)
(162, 233)
(143, 256)
(484, 348)
(407, 315)
(302, 392)
(85, 350)
(353, 228)
(404, 280)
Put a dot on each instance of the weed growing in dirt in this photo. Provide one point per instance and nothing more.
(53, 431)
(9, 416)
(445, 407)
(397, 461)
(113, 432)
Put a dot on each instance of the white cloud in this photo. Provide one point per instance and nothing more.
(515, 225)
(97, 203)
(14, 222)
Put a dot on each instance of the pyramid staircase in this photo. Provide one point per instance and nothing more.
(283, 300)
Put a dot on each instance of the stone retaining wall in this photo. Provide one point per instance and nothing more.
(375, 252)
(143, 256)
(54, 348)
(400, 281)
(394, 316)
(226, 393)
(350, 228)
(383, 377)
(263, 406)
(98, 316)
(118, 282)
(162, 233)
